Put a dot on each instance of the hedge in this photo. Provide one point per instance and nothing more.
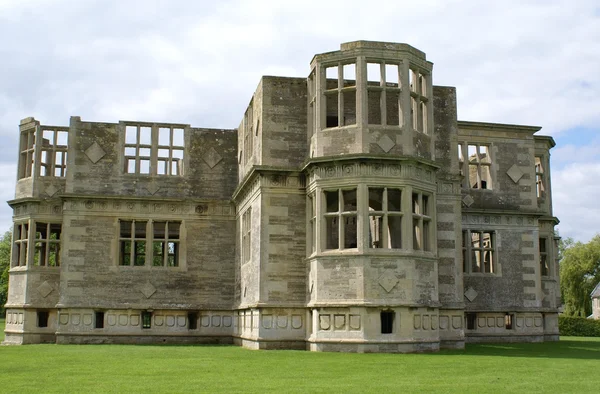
(578, 326)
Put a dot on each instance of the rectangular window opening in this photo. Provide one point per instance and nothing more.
(99, 319)
(387, 322)
(508, 321)
(42, 318)
(192, 321)
(471, 320)
(146, 319)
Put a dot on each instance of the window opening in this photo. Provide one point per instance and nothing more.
(421, 222)
(192, 321)
(387, 322)
(246, 234)
(312, 220)
(248, 134)
(418, 101)
(479, 252)
(544, 265)
(47, 244)
(146, 319)
(99, 319)
(27, 144)
(508, 321)
(539, 177)
(160, 245)
(385, 218)
(340, 219)
(21, 237)
(478, 165)
(383, 94)
(154, 150)
(42, 318)
(471, 319)
(340, 95)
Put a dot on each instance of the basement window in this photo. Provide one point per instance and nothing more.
(471, 320)
(192, 321)
(508, 321)
(387, 321)
(99, 320)
(146, 319)
(42, 318)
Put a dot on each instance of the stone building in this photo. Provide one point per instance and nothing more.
(596, 302)
(349, 211)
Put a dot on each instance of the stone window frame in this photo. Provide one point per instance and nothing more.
(421, 221)
(27, 153)
(133, 256)
(248, 134)
(426, 232)
(540, 189)
(544, 256)
(27, 245)
(246, 230)
(149, 151)
(385, 238)
(311, 231)
(419, 100)
(468, 251)
(344, 87)
(481, 163)
(341, 218)
(386, 87)
(53, 160)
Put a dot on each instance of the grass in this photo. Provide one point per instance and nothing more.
(570, 365)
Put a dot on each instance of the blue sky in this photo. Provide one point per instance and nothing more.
(521, 62)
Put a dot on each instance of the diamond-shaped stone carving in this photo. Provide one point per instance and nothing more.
(44, 289)
(386, 143)
(470, 294)
(95, 153)
(153, 188)
(51, 190)
(468, 200)
(211, 157)
(148, 290)
(388, 280)
(514, 173)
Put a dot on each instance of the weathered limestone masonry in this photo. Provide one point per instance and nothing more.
(350, 211)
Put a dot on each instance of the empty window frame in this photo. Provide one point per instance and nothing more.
(478, 165)
(156, 150)
(20, 244)
(509, 321)
(246, 235)
(385, 218)
(47, 244)
(311, 209)
(135, 236)
(248, 131)
(54, 152)
(98, 319)
(544, 261)
(339, 95)
(42, 318)
(479, 251)
(539, 177)
(146, 319)
(340, 219)
(27, 149)
(421, 217)
(383, 94)
(312, 104)
(419, 100)
(387, 321)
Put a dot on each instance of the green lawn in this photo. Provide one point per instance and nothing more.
(571, 365)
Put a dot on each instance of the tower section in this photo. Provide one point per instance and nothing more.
(371, 198)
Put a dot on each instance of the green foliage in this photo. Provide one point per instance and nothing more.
(579, 274)
(578, 326)
(5, 244)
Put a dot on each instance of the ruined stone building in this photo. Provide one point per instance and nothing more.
(349, 211)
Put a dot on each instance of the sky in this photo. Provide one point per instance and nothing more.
(199, 62)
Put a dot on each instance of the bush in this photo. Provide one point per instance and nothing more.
(578, 326)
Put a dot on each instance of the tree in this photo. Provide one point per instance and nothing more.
(5, 244)
(579, 274)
